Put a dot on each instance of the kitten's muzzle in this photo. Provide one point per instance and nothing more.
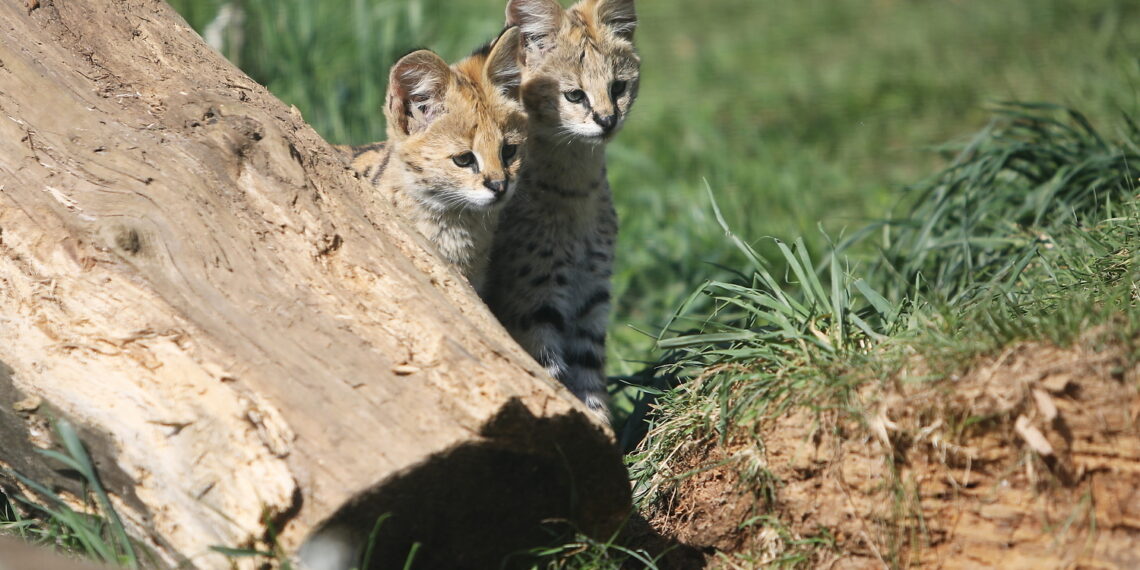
(499, 187)
(607, 122)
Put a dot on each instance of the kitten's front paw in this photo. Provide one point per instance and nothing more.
(599, 408)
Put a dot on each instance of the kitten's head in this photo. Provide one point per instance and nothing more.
(459, 130)
(581, 69)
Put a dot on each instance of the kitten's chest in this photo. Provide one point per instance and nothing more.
(582, 242)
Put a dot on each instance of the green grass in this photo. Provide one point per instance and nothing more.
(97, 534)
(331, 58)
(813, 113)
(799, 115)
(575, 551)
(1037, 170)
(1032, 234)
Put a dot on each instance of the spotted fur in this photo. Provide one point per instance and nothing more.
(455, 144)
(549, 279)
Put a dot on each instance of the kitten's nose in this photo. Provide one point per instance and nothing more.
(496, 186)
(607, 122)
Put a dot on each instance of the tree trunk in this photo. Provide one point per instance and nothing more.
(251, 343)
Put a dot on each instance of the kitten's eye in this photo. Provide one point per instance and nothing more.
(575, 96)
(617, 88)
(509, 151)
(464, 159)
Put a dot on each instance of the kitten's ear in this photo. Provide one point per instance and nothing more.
(617, 15)
(416, 87)
(502, 67)
(537, 20)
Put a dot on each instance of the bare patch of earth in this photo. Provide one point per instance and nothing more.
(1029, 459)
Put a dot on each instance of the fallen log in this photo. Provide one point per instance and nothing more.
(253, 346)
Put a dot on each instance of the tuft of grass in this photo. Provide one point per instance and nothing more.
(768, 343)
(1034, 232)
(98, 534)
(573, 550)
(1037, 170)
(585, 553)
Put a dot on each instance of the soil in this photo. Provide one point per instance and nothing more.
(1028, 459)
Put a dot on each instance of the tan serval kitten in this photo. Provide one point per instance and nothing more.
(453, 152)
(549, 280)
(450, 163)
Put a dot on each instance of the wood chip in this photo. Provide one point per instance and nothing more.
(1033, 436)
(28, 405)
(1056, 383)
(879, 424)
(1045, 405)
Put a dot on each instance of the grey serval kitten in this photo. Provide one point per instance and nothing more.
(552, 258)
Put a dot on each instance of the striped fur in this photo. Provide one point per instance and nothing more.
(549, 280)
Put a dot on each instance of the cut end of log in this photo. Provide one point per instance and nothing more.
(476, 504)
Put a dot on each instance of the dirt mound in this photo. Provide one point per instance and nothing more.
(1030, 459)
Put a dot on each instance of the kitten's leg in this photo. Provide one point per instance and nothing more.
(571, 350)
(585, 352)
(540, 333)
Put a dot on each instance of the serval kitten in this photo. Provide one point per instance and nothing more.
(454, 148)
(549, 280)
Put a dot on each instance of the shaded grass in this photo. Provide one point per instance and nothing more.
(575, 551)
(97, 534)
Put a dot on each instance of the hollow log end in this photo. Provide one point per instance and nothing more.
(524, 480)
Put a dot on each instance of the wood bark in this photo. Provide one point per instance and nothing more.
(252, 344)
